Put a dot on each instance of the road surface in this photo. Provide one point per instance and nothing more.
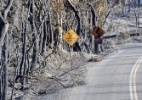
(117, 77)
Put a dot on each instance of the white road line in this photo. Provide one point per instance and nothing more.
(131, 81)
(135, 74)
(132, 84)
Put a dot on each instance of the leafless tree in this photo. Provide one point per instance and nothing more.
(4, 26)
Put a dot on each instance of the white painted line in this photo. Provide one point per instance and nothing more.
(132, 84)
(131, 81)
(135, 74)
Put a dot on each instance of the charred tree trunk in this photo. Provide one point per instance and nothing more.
(34, 55)
(4, 25)
(93, 15)
(96, 45)
(34, 37)
(22, 67)
(44, 37)
(3, 76)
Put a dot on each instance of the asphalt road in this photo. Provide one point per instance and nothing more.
(117, 77)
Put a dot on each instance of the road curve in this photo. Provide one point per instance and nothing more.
(117, 77)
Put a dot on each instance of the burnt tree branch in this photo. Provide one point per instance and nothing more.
(68, 3)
